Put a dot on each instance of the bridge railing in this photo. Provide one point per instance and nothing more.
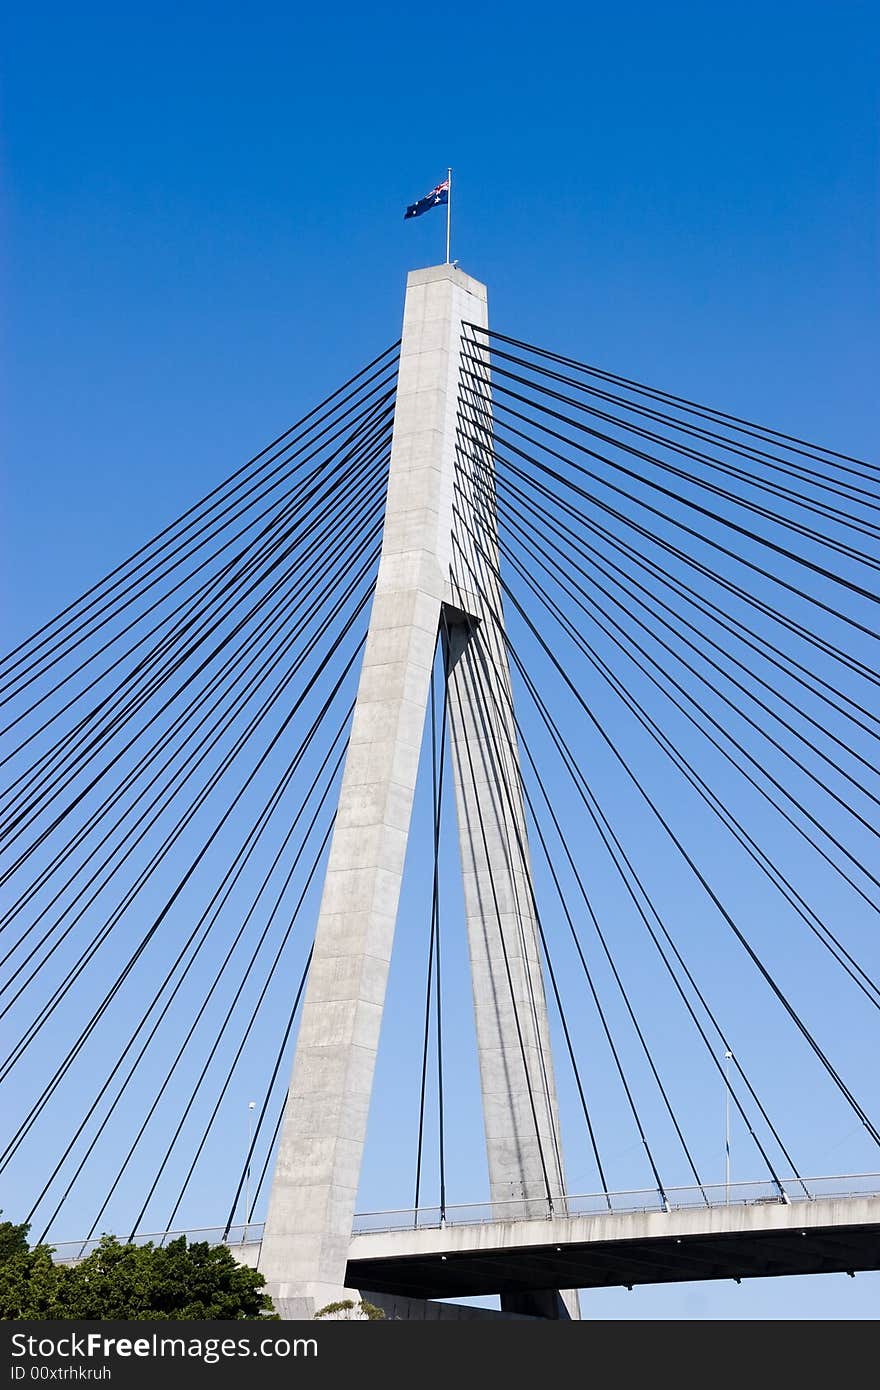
(572, 1204)
(637, 1200)
(70, 1251)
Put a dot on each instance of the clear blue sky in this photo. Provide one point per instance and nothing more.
(202, 218)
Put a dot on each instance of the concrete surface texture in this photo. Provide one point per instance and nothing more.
(437, 571)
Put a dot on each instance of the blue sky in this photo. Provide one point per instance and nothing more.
(203, 227)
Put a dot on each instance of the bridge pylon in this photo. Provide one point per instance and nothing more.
(438, 580)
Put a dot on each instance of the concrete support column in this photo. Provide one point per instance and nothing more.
(424, 572)
(312, 1202)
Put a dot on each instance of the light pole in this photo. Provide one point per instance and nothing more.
(727, 1056)
(247, 1172)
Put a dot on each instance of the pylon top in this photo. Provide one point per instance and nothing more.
(430, 273)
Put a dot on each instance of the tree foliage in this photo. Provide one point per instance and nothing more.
(177, 1282)
(348, 1310)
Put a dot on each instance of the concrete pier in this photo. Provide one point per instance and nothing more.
(423, 585)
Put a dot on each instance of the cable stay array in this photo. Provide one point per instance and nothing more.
(689, 615)
(173, 746)
(683, 747)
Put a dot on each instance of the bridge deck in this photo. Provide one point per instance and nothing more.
(823, 1236)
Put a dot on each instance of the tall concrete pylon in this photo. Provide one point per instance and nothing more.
(437, 576)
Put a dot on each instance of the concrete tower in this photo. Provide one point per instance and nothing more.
(438, 574)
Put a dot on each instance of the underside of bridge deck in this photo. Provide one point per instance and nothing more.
(474, 1269)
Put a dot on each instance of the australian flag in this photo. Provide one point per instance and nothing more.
(435, 199)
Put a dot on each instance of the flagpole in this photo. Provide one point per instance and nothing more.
(448, 212)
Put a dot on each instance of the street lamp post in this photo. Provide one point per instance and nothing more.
(727, 1057)
(247, 1174)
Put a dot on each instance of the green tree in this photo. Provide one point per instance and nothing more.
(31, 1286)
(348, 1310)
(13, 1240)
(177, 1282)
